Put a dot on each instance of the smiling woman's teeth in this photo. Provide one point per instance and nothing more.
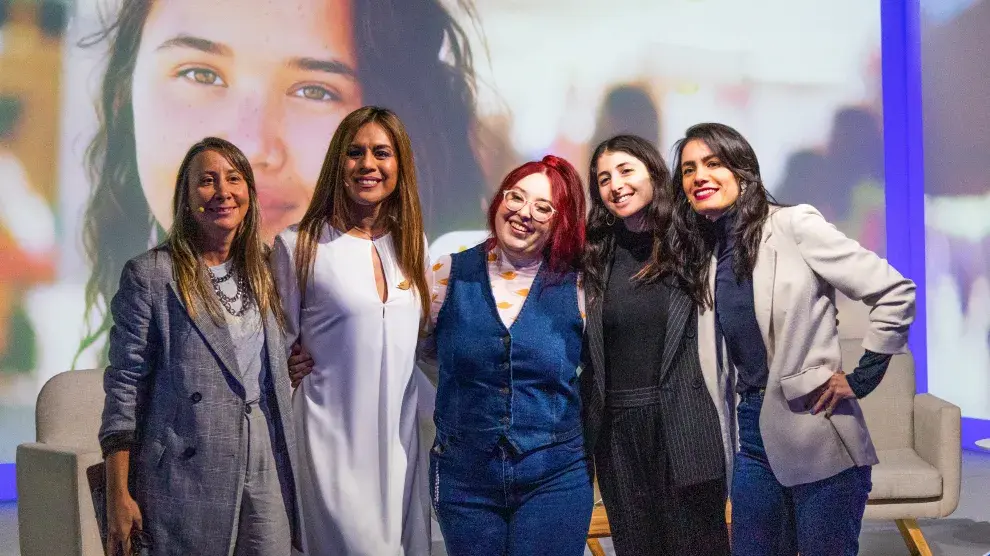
(518, 228)
(702, 194)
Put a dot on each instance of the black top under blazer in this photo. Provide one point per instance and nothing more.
(690, 421)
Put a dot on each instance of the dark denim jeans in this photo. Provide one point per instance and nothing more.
(499, 503)
(822, 518)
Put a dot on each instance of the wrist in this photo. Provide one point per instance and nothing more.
(856, 385)
(118, 493)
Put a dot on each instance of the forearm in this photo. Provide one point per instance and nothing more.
(868, 374)
(126, 390)
(117, 468)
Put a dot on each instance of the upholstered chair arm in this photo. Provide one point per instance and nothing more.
(938, 440)
(55, 506)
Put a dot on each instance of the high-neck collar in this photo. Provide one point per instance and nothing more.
(629, 237)
(725, 225)
(639, 244)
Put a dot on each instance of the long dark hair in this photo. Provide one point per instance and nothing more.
(400, 214)
(412, 57)
(693, 236)
(601, 234)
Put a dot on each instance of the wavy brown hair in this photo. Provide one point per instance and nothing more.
(693, 236)
(400, 214)
(413, 56)
(601, 234)
(249, 255)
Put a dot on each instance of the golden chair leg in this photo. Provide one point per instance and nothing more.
(913, 538)
(596, 547)
(728, 519)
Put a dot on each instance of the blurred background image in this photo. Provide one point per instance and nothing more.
(99, 99)
(955, 97)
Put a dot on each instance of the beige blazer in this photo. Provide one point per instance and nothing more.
(802, 261)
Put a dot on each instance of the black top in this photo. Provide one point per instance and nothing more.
(735, 316)
(634, 316)
(869, 373)
(735, 313)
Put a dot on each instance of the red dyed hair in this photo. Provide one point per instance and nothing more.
(566, 245)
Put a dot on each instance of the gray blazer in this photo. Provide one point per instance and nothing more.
(172, 388)
(802, 261)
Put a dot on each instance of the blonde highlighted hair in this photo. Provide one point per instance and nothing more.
(248, 252)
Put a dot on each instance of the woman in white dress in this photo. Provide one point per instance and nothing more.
(353, 285)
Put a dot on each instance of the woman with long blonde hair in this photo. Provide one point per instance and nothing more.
(352, 275)
(196, 430)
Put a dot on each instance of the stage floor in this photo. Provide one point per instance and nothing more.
(964, 533)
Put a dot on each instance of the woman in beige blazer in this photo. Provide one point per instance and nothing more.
(764, 278)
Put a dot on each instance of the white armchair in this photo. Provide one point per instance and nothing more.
(917, 437)
(55, 511)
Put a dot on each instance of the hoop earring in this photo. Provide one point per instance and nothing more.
(610, 219)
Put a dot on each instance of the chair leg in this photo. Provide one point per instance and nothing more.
(913, 538)
(728, 519)
(596, 547)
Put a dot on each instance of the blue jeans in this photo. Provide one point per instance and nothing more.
(822, 518)
(495, 503)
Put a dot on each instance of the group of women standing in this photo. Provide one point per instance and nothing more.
(678, 340)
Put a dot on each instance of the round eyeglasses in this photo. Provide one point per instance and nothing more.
(515, 200)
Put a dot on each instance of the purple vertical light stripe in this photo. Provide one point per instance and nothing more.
(8, 482)
(900, 22)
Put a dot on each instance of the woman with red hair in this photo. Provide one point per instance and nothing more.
(508, 469)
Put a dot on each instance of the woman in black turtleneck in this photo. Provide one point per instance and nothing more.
(650, 422)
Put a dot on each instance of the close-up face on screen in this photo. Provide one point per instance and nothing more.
(101, 101)
(200, 72)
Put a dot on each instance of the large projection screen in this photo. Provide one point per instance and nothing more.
(482, 86)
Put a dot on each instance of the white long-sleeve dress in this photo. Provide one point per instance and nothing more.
(361, 472)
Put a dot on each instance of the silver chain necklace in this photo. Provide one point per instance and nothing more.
(226, 300)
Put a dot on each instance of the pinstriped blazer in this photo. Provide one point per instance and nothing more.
(689, 420)
(173, 389)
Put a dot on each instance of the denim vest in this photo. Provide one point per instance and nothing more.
(518, 384)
